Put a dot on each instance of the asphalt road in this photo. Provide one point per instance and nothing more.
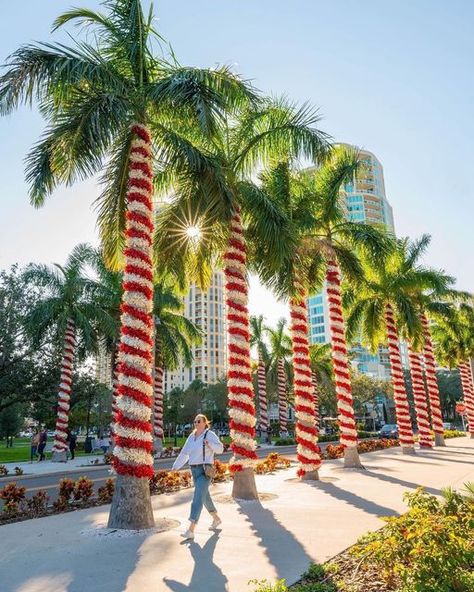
(100, 474)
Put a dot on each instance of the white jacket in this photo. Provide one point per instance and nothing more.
(192, 450)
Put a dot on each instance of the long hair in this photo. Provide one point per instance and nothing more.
(204, 418)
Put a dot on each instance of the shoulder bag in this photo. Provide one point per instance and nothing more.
(209, 470)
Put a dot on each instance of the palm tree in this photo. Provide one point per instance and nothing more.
(389, 302)
(113, 106)
(217, 205)
(280, 348)
(71, 313)
(258, 331)
(174, 337)
(321, 371)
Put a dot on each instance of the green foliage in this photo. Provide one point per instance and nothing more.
(431, 547)
(284, 442)
(266, 586)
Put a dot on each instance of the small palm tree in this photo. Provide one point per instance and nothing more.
(69, 311)
(112, 105)
(175, 336)
(258, 331)
(280, 351)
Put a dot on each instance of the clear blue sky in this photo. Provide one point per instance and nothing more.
(393, 77)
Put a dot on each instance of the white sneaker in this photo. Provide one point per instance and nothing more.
(215, 524)
(188, 535)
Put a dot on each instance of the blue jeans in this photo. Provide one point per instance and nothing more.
(201, 493)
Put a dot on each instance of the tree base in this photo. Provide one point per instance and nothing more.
(244, 486)
(472, 435)
(310, 476)
(131, 504)
(265, 438)
(157, 447)
(439, 440)
(59, 456)
(408, 450)
(352, 459)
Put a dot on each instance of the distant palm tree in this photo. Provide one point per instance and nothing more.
(114, 106)
(280, 351)
(321, 370)
(71, 313)
(258, 331)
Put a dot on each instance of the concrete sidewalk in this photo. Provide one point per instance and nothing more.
(46, 467)
(295, 524)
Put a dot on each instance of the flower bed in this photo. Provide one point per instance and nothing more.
(337, 450)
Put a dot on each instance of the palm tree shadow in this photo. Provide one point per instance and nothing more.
(402, 482)
(446, 459)
(206, 574)
(283, 549)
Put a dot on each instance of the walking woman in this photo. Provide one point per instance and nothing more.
(199, 450)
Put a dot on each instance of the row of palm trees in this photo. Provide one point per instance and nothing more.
(226, 158)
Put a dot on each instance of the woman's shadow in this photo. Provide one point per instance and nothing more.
(206, 575)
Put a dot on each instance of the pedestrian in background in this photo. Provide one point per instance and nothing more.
(72, 444)
(43, 438)
(34, 444)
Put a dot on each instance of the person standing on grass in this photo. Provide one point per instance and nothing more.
(72, 444)
(43, 438)
(199, 450)
(34, 445)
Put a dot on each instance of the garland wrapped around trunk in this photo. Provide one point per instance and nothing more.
(432, 384)
(419, 396)
(402, 409)
(62, 420)
(158, 402)
(133, 429)
(468, 392)
(239, 373)
(317, 420)
(262, 393)
(114, 360)
(282, 397)
(308, 451)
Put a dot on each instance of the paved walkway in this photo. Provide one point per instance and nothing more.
(47, 467)
(296, 524)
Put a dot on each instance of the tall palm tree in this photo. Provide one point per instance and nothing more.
(280, 351)
(387, 305)
(258, 331)
(112, 105)
(221, 209)
(174, 337)
(321, 372)
(70, 312)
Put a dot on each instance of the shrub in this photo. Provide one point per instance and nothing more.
(453, 434)
(284, 442)
(329, 438)
(335, 451)
(14, 498)
(431, 547)
(221, 471)
(266, 586)
(38, 504)
(107, 458)
(66, 489)
(83, 489)
(106, 492)
(18, 471)
(3, 471)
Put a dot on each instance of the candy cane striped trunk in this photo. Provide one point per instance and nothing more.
(158, 401)
(262, 393)
(282, 397)
(399, 391)
(340, 360)
(308, 451)
(239, 373)
(468, 392)
(114, 395)
(432, 384)
(419, 395)
(133, 429)
(64, 394)
(314, 380)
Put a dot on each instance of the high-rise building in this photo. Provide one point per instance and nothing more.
(207, 311)
(363, 200)
(103, 366)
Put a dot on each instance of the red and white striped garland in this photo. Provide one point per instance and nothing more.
(239, 373)
(158, 402)
(468, 392)
(308, 451)
(399, 391)
(314, 380)
(282, 397)
(262, 393)
(419, 396)
(431, 380)
(345, 404)
(64, 394)
(133, 428)
(114, 395)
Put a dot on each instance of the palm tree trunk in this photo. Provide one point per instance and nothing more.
(308, 451)
(158, 394)
(282, 398)
(432, 384)
(399, 391)
(62, 420)
(419, 395)
(239, 373)
(132, 459)
(468, 392)
(114, 365)
(317, 420)
(345, 406)
(262, 396)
